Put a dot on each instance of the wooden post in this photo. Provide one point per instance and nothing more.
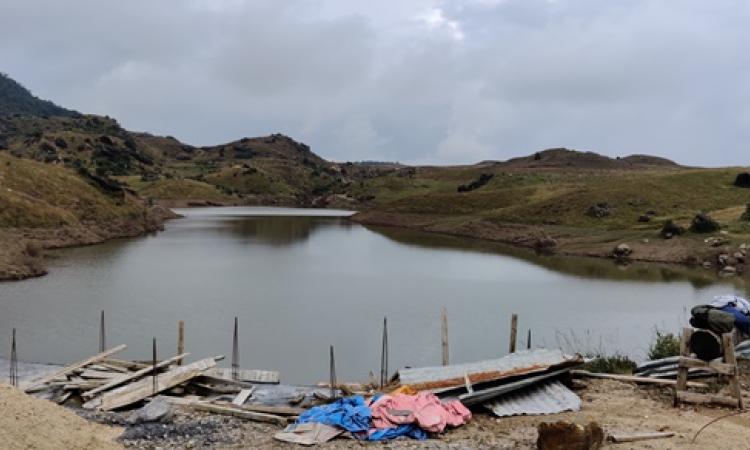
(444, 321)
(332, 368)
(731, 358)
(528, 340)
(180, 340)
(153, 372)
(384, 355)
(682, 372)
(13, 362)
(235, 351)
(513, 332)
(102, 334)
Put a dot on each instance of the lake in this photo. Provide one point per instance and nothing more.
(300, 280)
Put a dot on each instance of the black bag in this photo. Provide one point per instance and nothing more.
(710, 318)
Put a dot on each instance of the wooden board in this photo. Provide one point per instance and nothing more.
(619, 438)
(692, 397)
(68, 369)
(278, 410)
(633, 379)
(242, 397)
(144, 388)
(132, 376)
(247, 375)
(236, 412)
(720, 367)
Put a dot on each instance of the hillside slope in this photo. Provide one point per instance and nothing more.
(16, 99)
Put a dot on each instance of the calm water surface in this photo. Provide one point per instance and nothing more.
(301, 280)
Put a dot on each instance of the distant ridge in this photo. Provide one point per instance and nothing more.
(567, 158)
(16, 99)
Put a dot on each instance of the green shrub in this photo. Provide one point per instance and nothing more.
(745, 217)
(618, 364)
(665, 345)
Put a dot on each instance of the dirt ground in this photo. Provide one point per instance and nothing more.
(30, 423)
(618, 408)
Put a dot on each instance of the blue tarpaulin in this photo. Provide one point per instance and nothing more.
(351, 414)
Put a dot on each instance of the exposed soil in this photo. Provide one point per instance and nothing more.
(22, 249)
(31, 423)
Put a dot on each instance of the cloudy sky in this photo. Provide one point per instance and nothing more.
(419, 81)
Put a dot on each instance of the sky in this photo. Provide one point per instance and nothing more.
(414, 81)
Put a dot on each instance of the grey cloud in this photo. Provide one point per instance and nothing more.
(415, 81)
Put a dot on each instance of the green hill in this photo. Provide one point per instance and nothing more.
(16, 99)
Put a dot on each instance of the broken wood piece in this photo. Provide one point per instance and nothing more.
(619, 438)
(278, 410)
(236, 412)
(142, 389)
(132, 375)
(98, 374)
(246, 375)
(68, 369)
(125, 364)
(720, 367)
(693, 397)
(242, 397)
(633, 378)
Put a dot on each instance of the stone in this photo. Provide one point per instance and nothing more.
(742, 180)
(739, 256)
(644, 218)
(723, 259)
(599, 211)
(707, 264)
(670, 230)
(728, 271)
(622, 251)
(157, 410)
(569, 436)
(545, 244)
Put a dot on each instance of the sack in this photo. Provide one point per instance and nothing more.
(710, 318)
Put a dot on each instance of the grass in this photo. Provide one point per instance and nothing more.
(665, 345)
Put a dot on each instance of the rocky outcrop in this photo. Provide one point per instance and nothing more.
(599, 211)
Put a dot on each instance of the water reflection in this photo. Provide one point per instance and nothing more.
(584, 267)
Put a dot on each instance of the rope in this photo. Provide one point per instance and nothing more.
(735, 413)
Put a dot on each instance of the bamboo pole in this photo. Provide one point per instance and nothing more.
(180, 340)
(513, 332)
(444, 321)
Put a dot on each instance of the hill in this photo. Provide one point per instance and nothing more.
(563, 158)
(16, 99)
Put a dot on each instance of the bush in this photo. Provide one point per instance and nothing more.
(665, 345)
(703, 223)
(745, 217)
(617, 364)
(670, 229)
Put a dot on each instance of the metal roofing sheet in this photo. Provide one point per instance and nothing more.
(520, 363)
(549, 397)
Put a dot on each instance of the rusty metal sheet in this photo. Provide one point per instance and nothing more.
(548, 397)
(516, 364)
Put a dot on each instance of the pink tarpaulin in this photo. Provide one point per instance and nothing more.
(424, 409)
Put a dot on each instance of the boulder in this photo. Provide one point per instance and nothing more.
(703, 223)
(622, 251)
(745, 217)
(644, 218)
(723, 259)
(157, 410)
(569, 436)
(599, 211)
(545, 244)
(728, 271)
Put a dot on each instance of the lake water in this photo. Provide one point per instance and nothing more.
(301, 280)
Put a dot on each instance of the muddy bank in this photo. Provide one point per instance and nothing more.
(22, 250)
(568, 241)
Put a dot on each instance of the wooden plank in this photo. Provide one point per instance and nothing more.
(99, 374)
(127, 365)
(132, 376)
(731, 359)
(720, 367)
(692, 397)
(145, 388)
(278, 410)
(248, 415)
(246, 375)
(619, 438)
(68, 369)
(682, 373)
(242, 397)
(633, 379)
(513, 333)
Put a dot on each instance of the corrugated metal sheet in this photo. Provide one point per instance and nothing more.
(483, 395)
(520, 363)
(549, 397)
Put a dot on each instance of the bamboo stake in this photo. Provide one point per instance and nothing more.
(513, 332)
(444, 321)
(180, 340)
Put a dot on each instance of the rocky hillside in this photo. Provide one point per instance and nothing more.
(16, 99)
(563, 158)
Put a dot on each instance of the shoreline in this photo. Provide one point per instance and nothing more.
(23, 249)
(686, 251)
